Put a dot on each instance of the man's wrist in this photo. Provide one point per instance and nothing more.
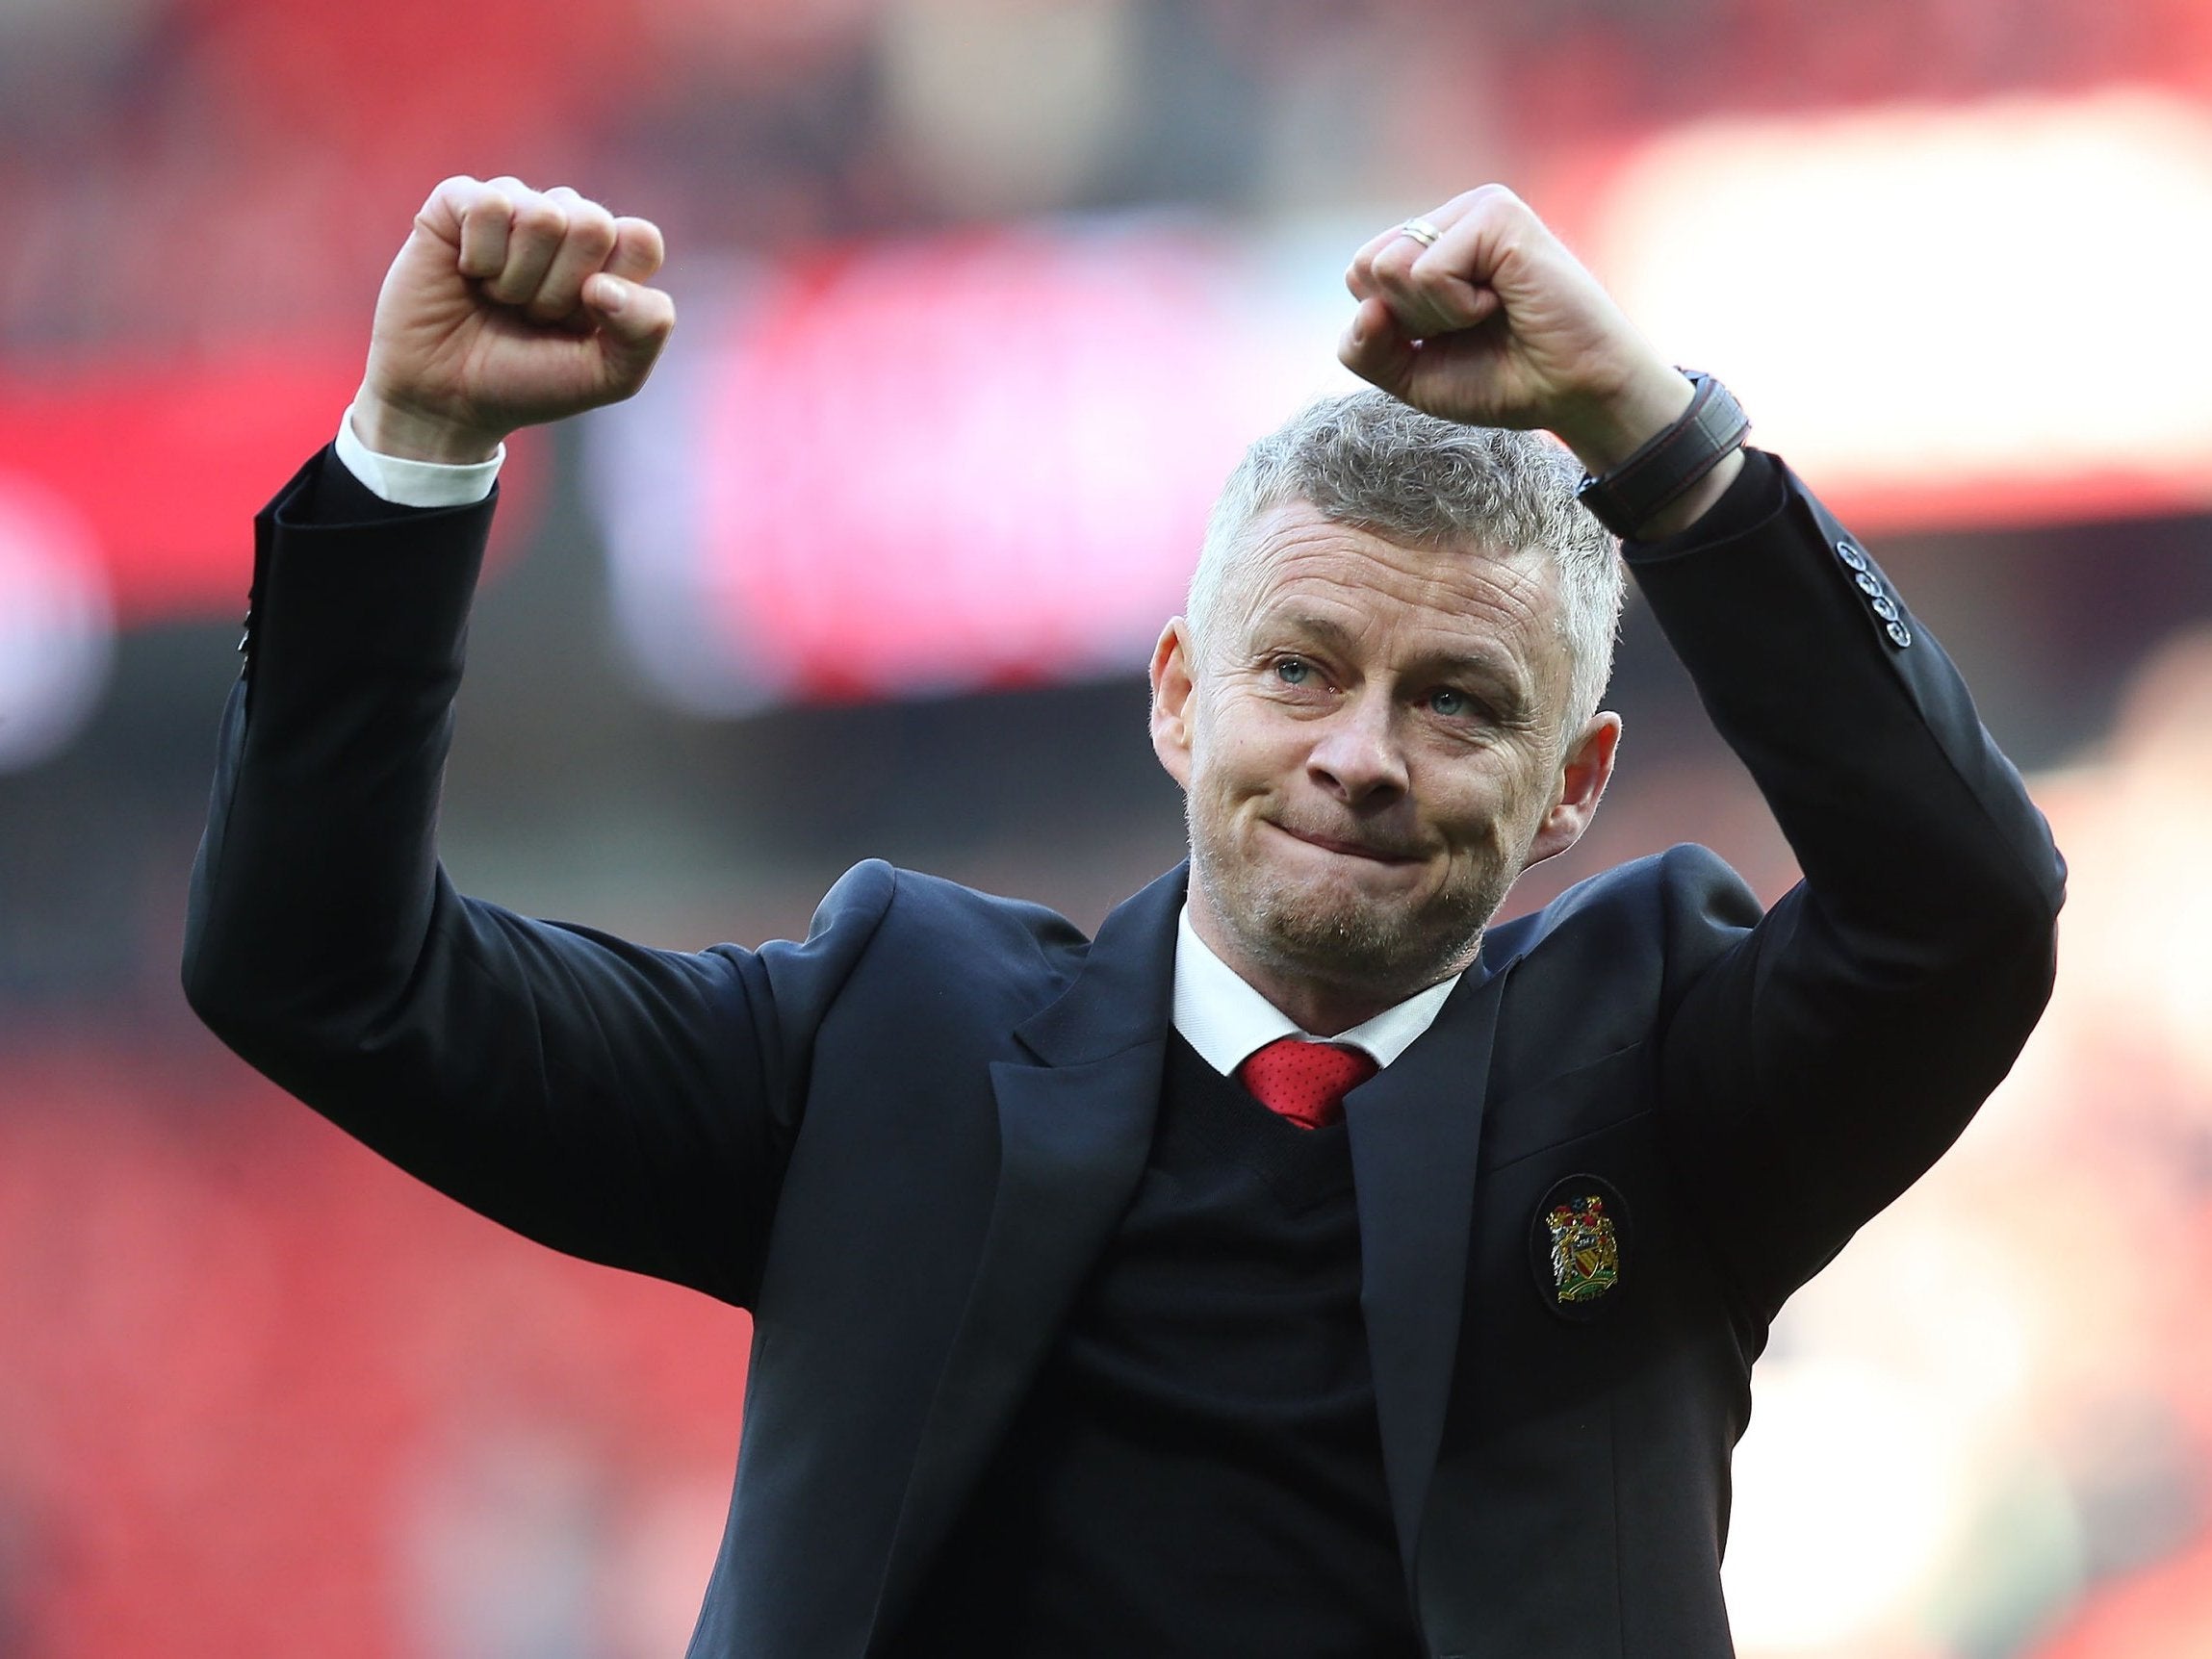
(1666, 483)
(1606, 429)
(410, 482)
(1693, 504)
(402, 434)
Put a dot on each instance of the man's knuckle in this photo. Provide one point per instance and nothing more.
(592, 228)
(541, 218)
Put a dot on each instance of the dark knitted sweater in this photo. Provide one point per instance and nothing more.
(1197, 1471)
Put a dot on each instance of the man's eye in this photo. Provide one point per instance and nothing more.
(1291, 671)
(1450, 704)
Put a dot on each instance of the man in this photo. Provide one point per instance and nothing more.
(1065, 1342)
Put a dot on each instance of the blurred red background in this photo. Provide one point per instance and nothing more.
(980, 298)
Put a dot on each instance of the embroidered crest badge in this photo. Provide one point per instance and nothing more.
(1586, 1251)
(1578, 1244)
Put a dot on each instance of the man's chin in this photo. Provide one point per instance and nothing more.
(1342, 942)
(1345, 920)
(1335, 928)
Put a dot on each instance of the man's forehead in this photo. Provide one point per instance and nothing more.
(1299, 556)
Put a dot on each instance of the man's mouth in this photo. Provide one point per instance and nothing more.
(1381, 855)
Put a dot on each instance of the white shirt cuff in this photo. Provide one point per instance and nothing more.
(416, 483)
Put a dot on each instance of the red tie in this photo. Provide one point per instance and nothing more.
(1305, 1081)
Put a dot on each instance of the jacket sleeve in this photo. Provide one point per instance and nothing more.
(1814, 1065)
(632, 1106)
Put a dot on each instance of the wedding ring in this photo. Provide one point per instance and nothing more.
(1421, 230)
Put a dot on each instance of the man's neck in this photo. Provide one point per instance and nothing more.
(1321, 1007)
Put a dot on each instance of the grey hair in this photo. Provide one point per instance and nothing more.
(1366, 459)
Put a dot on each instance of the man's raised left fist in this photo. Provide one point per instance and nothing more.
(1477, 313)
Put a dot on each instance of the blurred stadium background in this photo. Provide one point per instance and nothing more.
(980, 298)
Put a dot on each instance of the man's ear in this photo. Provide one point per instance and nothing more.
(1172, 686)
(1582, 779)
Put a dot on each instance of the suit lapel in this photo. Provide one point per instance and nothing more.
(1074, 1131)
(1416, 1128)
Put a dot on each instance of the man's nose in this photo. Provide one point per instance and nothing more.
(1358, 756)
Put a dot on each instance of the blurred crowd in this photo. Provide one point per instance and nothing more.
(181, 174)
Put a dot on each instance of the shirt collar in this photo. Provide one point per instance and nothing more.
(1226, 1020)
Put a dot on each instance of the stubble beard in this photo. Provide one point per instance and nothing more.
(1304, 931)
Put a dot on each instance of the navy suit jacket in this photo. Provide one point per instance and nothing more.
(903, 1142)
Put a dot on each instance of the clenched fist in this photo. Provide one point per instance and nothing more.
(1495, 323)
(507, 306)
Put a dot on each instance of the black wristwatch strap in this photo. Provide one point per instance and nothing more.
(1709, 429)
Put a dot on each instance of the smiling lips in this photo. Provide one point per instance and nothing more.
(1350, 848)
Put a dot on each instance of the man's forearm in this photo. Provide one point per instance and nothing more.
(1861, 734)
(314, 881)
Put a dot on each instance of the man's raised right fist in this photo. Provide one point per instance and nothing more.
(507, 306)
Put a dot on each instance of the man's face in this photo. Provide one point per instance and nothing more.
(1368, 739)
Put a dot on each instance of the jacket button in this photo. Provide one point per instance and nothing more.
(1851, 556)
(1899, 634)
(1885, 607)
(1869, 583)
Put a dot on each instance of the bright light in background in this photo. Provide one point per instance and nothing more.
(1898, 1493)
(1874, 1483)
(1975, 314)
(57, 626)
(2144, 820)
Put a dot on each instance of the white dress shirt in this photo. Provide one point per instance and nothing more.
(1226, 1021)
(1219, 1016)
